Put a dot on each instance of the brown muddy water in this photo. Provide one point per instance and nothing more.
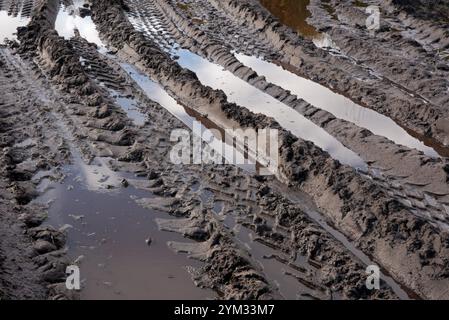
(117, 244)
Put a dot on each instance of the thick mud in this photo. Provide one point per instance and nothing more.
(94, 90)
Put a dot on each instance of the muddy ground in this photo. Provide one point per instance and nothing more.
(92, 91)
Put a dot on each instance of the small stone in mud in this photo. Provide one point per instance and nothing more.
(124, 183)
(148, 241)
(65, 227)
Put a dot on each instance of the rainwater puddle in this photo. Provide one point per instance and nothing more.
(293, 13)
(130, 106)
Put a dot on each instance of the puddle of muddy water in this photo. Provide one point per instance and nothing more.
(120, 250)
(340, 106)
(9, 25)
(110, 229)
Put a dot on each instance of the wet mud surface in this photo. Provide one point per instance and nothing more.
(94, 90)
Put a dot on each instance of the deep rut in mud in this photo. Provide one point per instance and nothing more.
(94, 91)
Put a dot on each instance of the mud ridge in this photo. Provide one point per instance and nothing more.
(32, 254)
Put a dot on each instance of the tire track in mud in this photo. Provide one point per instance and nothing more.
(33, 260)
(244, 205)
(76, 116)
(400, 181)
(196, 194)
(138, 44)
